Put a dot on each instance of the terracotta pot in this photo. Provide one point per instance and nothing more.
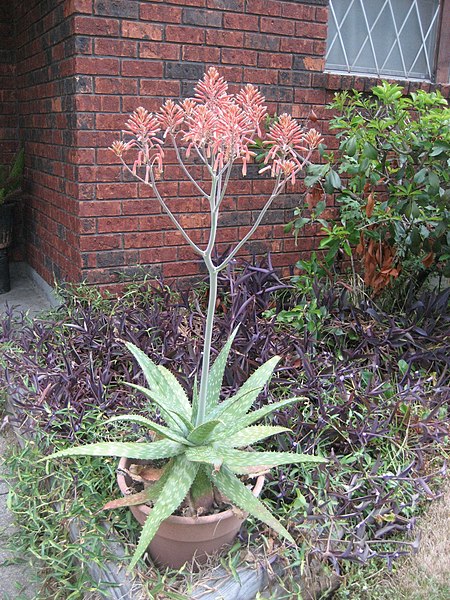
(180, 539)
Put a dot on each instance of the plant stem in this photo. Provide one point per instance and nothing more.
(213, 276)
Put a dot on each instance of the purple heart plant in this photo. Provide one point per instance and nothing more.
(203, 436)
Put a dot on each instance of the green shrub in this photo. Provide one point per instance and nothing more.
(391, 178)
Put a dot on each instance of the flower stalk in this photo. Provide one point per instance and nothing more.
(221, 129)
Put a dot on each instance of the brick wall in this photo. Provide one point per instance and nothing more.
(45, 51)
(140, 53)
(9, 142)
(83, 65)
(8, 107)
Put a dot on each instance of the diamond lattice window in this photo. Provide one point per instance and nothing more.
(391, 38)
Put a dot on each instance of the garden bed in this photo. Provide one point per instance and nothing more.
(377, 405)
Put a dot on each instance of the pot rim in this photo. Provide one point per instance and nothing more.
(205, 519)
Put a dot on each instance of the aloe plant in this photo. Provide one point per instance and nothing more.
(199, 456)
(203, 439)
(11, 177)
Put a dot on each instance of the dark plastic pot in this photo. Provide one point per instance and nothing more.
(6, 230)
(181, 539)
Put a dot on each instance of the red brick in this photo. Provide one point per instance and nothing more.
(140, 207)
(175, 269)
(92, 243)
(109, 121)
(185, 35)
(314, 64)
(232, 74)
(116, 190)
(279, 26)
(311, 30)
(194, 220)
(172, 237)
(239, 57)
(97, 103)
(299, 11)
(320, 47)
(159, 50)
(148, 239)
(161, 14)
(142, 68)
(95, 26)
(82, 156)
(184, 2)
(201, 54)
(96, 66)
(241, 22)
(115, 47)
(130, 103)
(260, 76)
(141, 31)
(237, 5)
(264, 7)
(107, 85)
(297, 45)
(97, 208)
(159, 87)
(117, 224)
(275, 61)
(77, 6)
(321, 14)
(216, 37)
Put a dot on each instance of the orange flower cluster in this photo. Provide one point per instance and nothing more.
(220, 128)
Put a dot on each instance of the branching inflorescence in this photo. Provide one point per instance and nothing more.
(218, 129)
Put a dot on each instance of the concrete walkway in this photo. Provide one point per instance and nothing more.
(17, 580)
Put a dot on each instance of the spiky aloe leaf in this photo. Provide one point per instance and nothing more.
(179, 480)
(231, 428)
(163, 382)
(200, 434)
(172, 417)
(216, 373)
(201, 493)
(166, 432)
(150, 451)
(235, 490)
(253, 434)
(239, 404)
(18, 166)
(238, 461)
(195, 399)
(131, 500)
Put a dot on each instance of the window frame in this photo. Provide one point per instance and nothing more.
(441, 56)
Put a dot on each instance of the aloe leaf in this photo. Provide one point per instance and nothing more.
(232, 427)
(130, 500)
(241, 496)
(238, 405)
(200, 434)
(172, 417)
(215, 378)
(160, 429)
(18, 166)
(254, 434)
(201, 493)
(195, 399)
(179, 480)
(150, 451)
(239, 462)
(162, 381)
(175, 388)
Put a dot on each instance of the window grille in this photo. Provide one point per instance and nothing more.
(391, 38)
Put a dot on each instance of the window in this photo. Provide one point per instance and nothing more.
(391, 38)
